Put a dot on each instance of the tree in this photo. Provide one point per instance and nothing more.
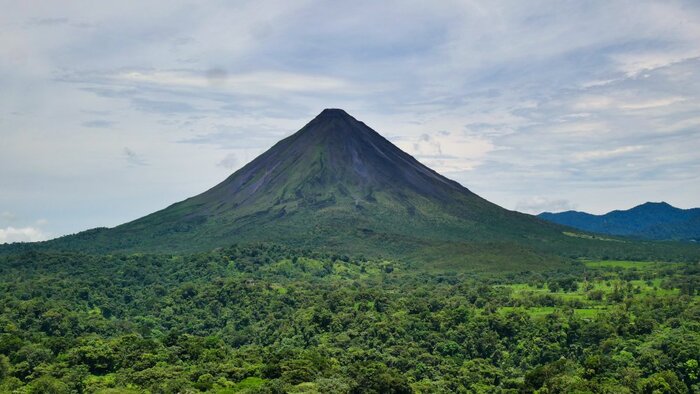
(48, 385)
(95, 353)
(553, 286)
(663, 382)
(376, 378)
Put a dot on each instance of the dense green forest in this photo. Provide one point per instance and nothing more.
(267, 319)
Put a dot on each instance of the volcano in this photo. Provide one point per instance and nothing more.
(338, 186)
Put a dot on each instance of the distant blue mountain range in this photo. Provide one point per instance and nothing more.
(651, 220)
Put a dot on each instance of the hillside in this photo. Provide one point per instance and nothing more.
(338, 186)
(657, 221)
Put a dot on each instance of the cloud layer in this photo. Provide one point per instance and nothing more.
(23, 234)
(14, 228)
(112, 112)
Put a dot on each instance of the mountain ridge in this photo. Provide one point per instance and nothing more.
(650, 220)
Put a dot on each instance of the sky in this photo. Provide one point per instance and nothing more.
(112, 110)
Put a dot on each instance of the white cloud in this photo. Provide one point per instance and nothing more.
(606, 153)
(578, 127)
(539, 204)
(588, 103)
(229, 162)
(248, 83)
(592, 103)
(692, 122)
(8, 216)
(23, 234)
(651, 103)
(635, 64)
(597, 83)
(133, 158)
(447, 152)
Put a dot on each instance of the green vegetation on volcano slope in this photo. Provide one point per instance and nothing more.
(430, 245)
(269, 319)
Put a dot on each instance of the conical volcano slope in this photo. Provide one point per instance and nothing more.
(337, 185)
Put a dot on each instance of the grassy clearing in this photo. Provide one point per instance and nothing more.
(644, 287)
(605, 285)
(591, 236)
(588, 313)
(543, 311)
(640, 265)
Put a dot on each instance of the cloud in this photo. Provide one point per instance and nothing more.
(23, 234)
(539, 204)
(8, 216)
(48, 21)
(133, 158)
(588, 103)
(447, 152)
(56, 22)
(606, 153)
(634, 64)
(249, 83)
(652, 103)
(229, 162)
(98, 124)
(161, 106)
(240, 135)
